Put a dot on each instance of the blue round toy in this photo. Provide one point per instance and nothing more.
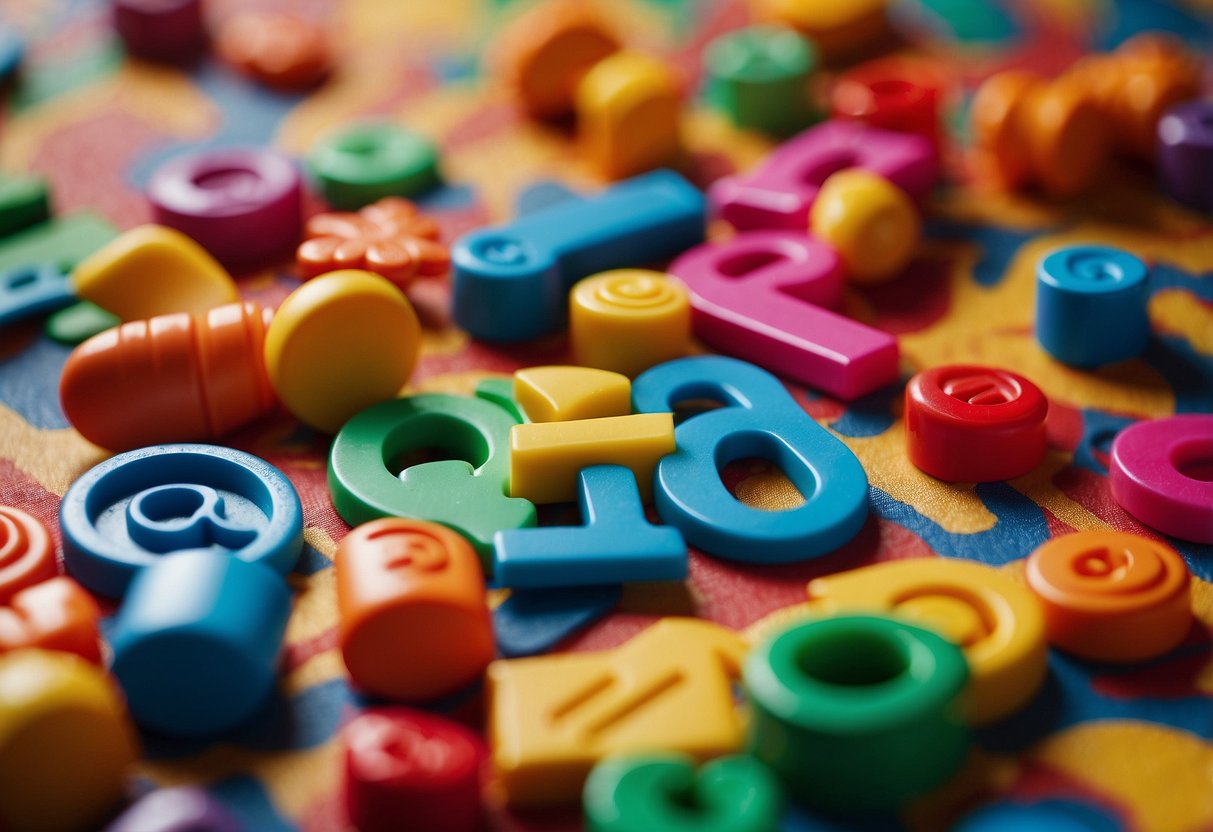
(1046, 816)
(1091, 305)
(196, 642)
(131, 510)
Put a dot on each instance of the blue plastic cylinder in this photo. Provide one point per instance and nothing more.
(196, 642)
(1091, 305)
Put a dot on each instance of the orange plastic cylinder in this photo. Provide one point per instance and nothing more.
(1111, 596)
(998, 116)
(27, 555)
(173, 378)
(414, 620)
(54, 615)
(1069, 138)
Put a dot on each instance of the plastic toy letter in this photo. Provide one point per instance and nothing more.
(551, 718)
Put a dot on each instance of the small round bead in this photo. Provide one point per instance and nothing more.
(368, 161)
(759, 77)
(279, 50)
(1161, 472)
(1111, 596)
(168, 31)
(1185, 154)
(857, 714)
(967, 423)
(1091, 305)
(1069, 138)
(244, 206)
(870, 221)
(891, 94)
(628, 320)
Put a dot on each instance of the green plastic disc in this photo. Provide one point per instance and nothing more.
(367, 161)
(759, 76)
(79, 322)
(24, 201)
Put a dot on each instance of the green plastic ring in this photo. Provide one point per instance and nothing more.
(368, 161)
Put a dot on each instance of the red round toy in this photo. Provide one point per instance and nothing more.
(966, 423)
(891, 94)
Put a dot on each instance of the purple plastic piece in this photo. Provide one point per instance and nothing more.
(169, 31)
(1185, 154)
(779, 193)
(176, 810)
(244, 206)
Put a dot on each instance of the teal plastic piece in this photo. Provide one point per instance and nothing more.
(665, 793)
(26, 291)
(857, 714)
(79, 322)
(1045, 816)
(24, 201)
(126, 513)
(368, 161)
(759, 78)
(64, 241)
(466, 491)
(616, 544)
(196, 642)
(759, 419)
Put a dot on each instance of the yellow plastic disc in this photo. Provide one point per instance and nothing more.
(870, 221)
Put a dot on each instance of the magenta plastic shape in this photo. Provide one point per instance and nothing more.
(244, 206)
(167, 31)
(779, 193)
(1162, 473)
(767, 297)
(182, 809)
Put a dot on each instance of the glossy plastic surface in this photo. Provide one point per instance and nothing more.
(616, 544)
(759, 419)
(781, 190)
(53, 615)
(24, 199)
(363, 162)
(870, 221)
(511, 282)
(966, 423)
(1161, 472)
(133, 509)
(196, 642)
(758, 77)
(414, 623)
(281, 50)
(27, 553)
(628, 320)
(565, 394)
(628, 110)
(180, 809)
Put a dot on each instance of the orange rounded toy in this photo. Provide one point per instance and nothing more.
(279, 50)
(1000, 127)
(1111, 596)
(27, 555)
(54, 615)
(414, 622)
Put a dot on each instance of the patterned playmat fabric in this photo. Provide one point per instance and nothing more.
(1129, 745)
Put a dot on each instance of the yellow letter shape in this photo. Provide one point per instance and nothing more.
(545, 457)
(564, 394)
(552, 718)
(996, 622)
(65, 742)
(627, 113)
(152, 270)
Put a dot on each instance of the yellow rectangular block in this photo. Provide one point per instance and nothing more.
(545, 457)
(551, 718)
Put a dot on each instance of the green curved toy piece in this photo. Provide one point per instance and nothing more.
(665, 793)
(367, 161)
(466, 491)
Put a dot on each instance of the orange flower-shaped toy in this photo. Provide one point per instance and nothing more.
(390, 238)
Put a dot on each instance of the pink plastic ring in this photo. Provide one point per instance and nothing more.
(1162, 474)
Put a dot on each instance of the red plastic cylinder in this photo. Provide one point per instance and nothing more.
(891, 94)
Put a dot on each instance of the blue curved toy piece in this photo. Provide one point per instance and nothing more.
(129, 511)
(759, 419)
(511, 282)
(196, 642)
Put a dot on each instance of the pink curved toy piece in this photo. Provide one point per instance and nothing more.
(766, 296)
(779, 193)
(1162, 474)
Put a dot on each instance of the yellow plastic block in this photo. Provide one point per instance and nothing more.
(870, 221)
(627, 114)
(837, 28)
(545, 457)
(552, 718)
(152, 270)
(629, 320)
(65, 742)
(340, 343)
(996, 621)
(563, 394)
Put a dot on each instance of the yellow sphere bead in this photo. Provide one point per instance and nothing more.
(870, 221)
(339, 344)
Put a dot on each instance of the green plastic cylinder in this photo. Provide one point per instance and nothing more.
(857, 714)
(759, 76)
(665, 793)
(367, 161)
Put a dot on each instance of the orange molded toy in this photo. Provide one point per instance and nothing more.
(837, 28)
(174, 378)
(999, 119)
(65, 743)
(414, 622)
(1112, 596)
(54, 615)
(27, 555)
(543, 54)
(628, 320)
(551, 718)
(279, 50)
(564, 394)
